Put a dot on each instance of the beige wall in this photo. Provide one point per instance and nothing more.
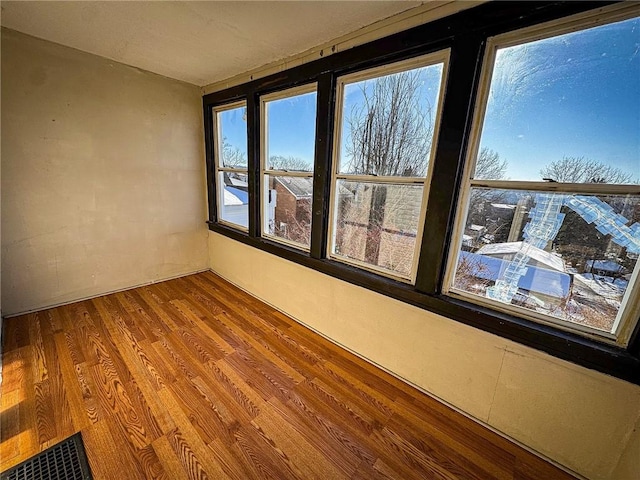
(103, 180)
(575, 416)
(629, 464)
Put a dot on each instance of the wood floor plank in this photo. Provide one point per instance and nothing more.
(332, 404)
(149, 303)
(238, 464)
(114, 399)
(193, 453)
(168, 459)
(262, 376)
(162, 372)
(378, 404)
(235, 385)
(102, 460)
(145, 381)
(77, 410)
(48, 324)
(223, 405)
(17, 442)
(10, 424)
(530, 468)
(16, 333)
(204, 414)
(151, 464)
(75, 352)
(266, 461)
(200, 347)
(188, 459)
(89, 394)
(59, 395)
(127, 449)
(45, 420)
(15, 375)
(80, 315)
(344, 450)
(283, 437)
(39, 363)
(398, 450)
(488, 458)
(194, 379)
(453, 460)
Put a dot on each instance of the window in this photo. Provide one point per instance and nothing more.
(231, 167)
(288, 150)
(387, 119)
(484, 166)
(549, 227)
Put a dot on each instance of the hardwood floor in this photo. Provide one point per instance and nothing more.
(194, 379)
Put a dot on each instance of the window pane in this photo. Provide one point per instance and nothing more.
(233, 198)
(288, 208)
(232, 137)
(388, 123)
(290, 133)
(568, 256)
(377, 224)
(566, 108)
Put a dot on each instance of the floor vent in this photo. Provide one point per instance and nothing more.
(64, 461)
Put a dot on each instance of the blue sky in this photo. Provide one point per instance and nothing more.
(292, 124)
(292, 127)
(233, 128)
(572, 95)
(430, 79)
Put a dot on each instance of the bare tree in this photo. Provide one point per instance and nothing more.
(584, 170)
(470, 274)
(232, 156)
(290, 164)
(489, 166)
(390, 134)
(391, 131)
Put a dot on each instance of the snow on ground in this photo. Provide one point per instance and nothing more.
(606, 287)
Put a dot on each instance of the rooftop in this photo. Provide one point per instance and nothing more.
(536, 279)
(547, 258)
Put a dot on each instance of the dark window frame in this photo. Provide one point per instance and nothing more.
(262, 166)
(217, 166)
(465, 33)
(386, 67)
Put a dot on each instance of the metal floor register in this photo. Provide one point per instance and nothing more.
(65, 461)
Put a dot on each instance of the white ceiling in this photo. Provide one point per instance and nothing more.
(198, 42)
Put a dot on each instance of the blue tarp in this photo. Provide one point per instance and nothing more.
(604, 265)
(535, 280)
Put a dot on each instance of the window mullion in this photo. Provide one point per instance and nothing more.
(449, 160)
(211, 169)
(253, 153)
(287, 173)
(558, 187)
(381, 179)
(322, 165)
(232, 170)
